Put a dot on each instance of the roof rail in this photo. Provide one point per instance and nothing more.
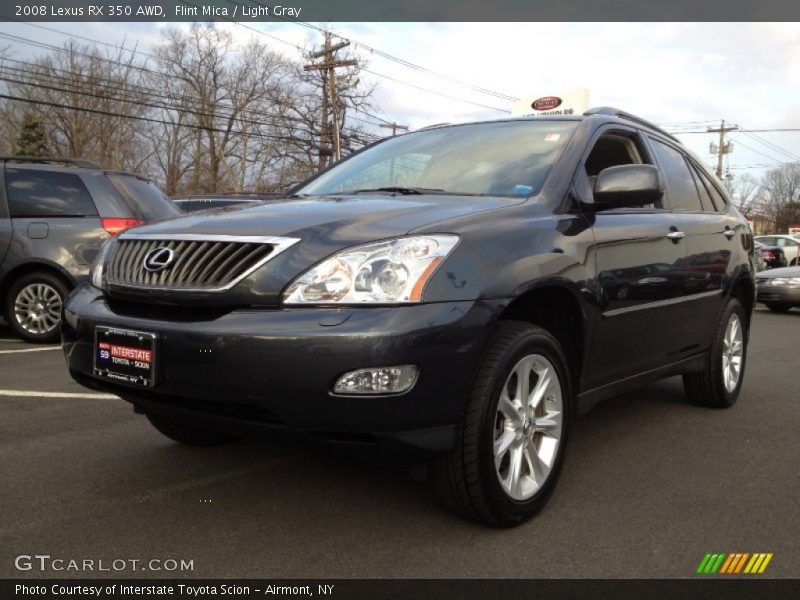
(432, 126)
(621, 114)
(78, 162)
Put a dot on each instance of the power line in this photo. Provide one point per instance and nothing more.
(149, 120)
(395, 80)
(741, 143)
(768, 144)
(764, 165)
(403, 62)
(135, 88)
(774, 130)
(442, 94)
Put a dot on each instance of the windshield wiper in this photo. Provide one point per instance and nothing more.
(399, 190)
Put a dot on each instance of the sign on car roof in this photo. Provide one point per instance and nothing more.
(569, 102)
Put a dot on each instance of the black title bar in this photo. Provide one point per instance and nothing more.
(399, 10)
(708, 588)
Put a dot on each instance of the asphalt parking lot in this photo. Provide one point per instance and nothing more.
(650, 486)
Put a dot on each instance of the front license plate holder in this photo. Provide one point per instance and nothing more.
(125, 356)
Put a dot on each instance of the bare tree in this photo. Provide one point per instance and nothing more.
(83, 97)
(233, 95)
(781, 195)
(743, 190)
(204, 115)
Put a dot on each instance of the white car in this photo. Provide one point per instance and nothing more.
(788, 243)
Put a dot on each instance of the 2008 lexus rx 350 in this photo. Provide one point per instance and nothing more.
(463, 290)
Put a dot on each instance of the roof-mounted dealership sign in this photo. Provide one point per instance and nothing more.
(571, 102)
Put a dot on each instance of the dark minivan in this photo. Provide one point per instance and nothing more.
(463, 290)
(54, 215)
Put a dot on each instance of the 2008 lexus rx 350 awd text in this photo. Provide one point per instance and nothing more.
(463, 290)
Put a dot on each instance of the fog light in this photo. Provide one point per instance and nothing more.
(378, 380)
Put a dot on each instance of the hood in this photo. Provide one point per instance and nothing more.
(784, 272)
(322, 226)
(334, 221)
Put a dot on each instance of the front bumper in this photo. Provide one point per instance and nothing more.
(251, 371)
(779, 294)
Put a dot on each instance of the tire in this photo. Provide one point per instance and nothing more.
(468, 479)
(779, 308)
(710, 387)
(191, 435)
(33, 306)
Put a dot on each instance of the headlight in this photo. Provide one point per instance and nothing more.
(785, 281)
(98, 272)
(393, 271)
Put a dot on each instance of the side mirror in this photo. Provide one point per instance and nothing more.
(628, 185)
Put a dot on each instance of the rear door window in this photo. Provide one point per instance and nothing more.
(143, 198)
(682, 189)
(716, 197)
(34, 193)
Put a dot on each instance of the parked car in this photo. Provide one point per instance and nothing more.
(787, 243)
(54, 215)
(779, 289)
(195, 203)
(440, 291)
(769, 257)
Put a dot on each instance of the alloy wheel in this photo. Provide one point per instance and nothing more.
(732, 352)
(37, 308)
(528, 427)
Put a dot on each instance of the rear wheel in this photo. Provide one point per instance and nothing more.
(779, 308)
(33, 306)
(191, 435)
(510, 446)
(719, 384)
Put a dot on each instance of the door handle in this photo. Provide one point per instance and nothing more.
(729, 233)
(676, 235)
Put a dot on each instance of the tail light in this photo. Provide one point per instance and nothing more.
(767, 254)
(115, 224)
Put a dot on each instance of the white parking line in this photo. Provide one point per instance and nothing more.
(32, 394)
(31, 350)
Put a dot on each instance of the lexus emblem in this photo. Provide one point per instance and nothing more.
(158, 259)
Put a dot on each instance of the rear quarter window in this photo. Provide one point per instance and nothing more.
(35, 193)
(681, 187)
(143, 198)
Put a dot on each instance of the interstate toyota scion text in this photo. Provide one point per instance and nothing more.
(463, 290)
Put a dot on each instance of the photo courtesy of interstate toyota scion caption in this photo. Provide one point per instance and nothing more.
(463, 290)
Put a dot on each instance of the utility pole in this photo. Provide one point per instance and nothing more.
(328, 68)
(394, 127)
(723, 148)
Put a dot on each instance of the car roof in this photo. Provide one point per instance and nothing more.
(65, 168)
(601, 114)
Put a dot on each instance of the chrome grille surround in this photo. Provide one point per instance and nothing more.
(203, 263)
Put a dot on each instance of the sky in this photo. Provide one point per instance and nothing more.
(685, 76)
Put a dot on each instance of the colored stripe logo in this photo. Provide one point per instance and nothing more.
(736, 562)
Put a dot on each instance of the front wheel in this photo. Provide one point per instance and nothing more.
(510, 445)
(33, 306)
(719, 384)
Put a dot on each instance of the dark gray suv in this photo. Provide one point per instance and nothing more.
(54, 215)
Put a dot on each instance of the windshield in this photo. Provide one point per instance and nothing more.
(508, 158)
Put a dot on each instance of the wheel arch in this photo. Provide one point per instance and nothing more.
(33, 267)
(559, 310)
(743, 289)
